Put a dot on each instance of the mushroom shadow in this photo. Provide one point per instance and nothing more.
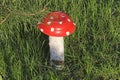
(45, 48)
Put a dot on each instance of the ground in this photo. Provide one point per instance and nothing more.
(92, 52)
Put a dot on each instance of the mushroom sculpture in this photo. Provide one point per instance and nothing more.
(57, 25)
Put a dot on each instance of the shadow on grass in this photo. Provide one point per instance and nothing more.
(27, 52)
(41, 58)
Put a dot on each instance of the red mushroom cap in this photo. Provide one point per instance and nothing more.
(57, 24)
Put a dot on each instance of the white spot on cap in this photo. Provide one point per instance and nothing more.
(41, 30)
(52, 29)
(67, 33)
(68, 20)
(60, 22)
(49, 22)
(74, 24)
(51, 17)
(57, 31)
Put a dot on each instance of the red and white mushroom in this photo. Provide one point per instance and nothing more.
(57, 25)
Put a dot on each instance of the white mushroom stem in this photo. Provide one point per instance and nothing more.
(56, 51)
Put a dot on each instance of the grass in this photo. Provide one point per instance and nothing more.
(91, 53)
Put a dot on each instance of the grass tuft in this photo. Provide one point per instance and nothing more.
(92, 52)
